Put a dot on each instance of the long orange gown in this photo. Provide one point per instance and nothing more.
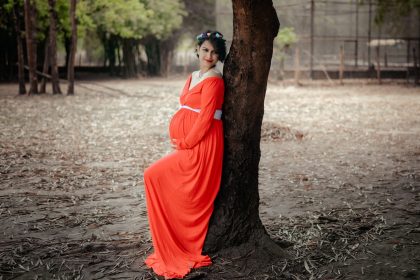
(181, 187)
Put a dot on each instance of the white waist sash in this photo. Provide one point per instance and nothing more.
(217, 113)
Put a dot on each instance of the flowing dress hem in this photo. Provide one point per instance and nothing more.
(154, 264)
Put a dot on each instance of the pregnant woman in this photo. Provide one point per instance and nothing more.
(181, 187)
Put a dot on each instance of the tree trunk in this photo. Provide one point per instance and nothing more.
(46, 66)
(119, 60)
(153, 56)
(21, 69)
(141, 66)
(129, 58)
(166, 55)
(3, 56)
(70, 69)
(112, 43)
(53, 48)
(30, 26)
(235, 220)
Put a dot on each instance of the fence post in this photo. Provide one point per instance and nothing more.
(311, 61)
(297, 66)
(378, 64)
(369, 31)
(416, 69)
(408, 61)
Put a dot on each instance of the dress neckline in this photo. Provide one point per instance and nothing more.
(189, 82)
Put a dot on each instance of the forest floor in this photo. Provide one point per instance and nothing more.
(339, 181)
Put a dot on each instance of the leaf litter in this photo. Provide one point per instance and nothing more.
(338, 181)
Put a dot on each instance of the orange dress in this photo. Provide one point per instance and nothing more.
(181, 187)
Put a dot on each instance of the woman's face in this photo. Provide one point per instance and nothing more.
(207, 55)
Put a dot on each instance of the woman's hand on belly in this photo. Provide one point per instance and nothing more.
(174, 144)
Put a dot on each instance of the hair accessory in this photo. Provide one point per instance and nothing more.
(206, 35)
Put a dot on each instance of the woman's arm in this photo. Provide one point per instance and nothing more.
(210, 93)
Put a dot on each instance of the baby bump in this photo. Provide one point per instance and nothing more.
(181, 123)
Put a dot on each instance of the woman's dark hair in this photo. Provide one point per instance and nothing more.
(216, 40)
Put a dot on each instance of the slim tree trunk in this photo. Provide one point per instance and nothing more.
(378, 64)
(118, 50)
(30, 26)
(341, 55)
(416, 68)
(67, 47)
(166, 54)
(153, 56)
(112, 43)
(235, 219)
(53, 48)
(21, 69)
(70, 69)
(46, 66)
(297, 66)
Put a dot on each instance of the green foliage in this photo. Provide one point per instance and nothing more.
(6, 14)
(106, 21)
(8, 6)
(393, 10)
(63, 12)
(132, 19)
(43, 15)
(42, 18)
(285, 38)
(85, 22)
(282, 43)
(124, 18)
(166, 16)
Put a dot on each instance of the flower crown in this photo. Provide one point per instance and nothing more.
(206, 35)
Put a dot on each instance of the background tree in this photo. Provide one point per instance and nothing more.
(42, 37)
(393, 10)
(53, 48)
(8, 35)
(31, 44)
(139, 35)
(127, 24)
(198, 17)
(21, 62)
(46, 66)
(70, 68)
(235, 219)
(163, 34)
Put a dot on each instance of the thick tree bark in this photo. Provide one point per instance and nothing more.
(21, 69)
(53, 48)
(30, 26)
(70, 69)
(235, 219)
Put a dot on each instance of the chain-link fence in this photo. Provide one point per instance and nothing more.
(334, 34)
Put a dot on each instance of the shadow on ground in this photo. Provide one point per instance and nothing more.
(339, 181)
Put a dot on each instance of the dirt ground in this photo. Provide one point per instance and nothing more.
(339, 181)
